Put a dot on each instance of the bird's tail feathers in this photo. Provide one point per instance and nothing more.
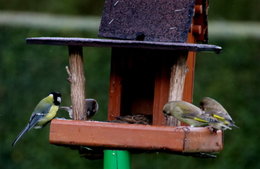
(225, 127)
(27, 128)
(233, 125)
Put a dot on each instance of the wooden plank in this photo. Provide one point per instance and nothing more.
(122, 43)
(189, 79)
(134, 136)
(115, 88)
(161, 88)
(197, 141)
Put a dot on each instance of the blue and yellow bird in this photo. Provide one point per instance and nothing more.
(43, 113)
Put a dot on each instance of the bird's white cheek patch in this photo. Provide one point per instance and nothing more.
(59, 99)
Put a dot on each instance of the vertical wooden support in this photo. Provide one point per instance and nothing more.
(114, 105)
(182, 80)
(177, 80)
(189, 80)
(161, 88)
(77, 80)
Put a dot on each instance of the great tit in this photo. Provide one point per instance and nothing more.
(216, 110)
(91, 108)
(188, 113)
(43, 113)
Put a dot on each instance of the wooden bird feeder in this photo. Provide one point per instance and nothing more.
(154, 44)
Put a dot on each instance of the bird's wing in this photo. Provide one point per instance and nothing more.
(41, 109)
(39, 112)
(220, 115)
(194, 117)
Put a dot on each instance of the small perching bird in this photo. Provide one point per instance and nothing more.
(91, 108)
(216, 110)
(43, 113)
(188, 113)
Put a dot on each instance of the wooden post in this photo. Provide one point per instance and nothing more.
(189, 80)
(182, 79)
(177, 80)
(77, 80)
(115, 89)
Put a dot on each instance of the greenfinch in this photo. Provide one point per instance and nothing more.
(216, 110)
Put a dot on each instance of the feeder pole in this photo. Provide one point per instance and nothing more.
(116, 159)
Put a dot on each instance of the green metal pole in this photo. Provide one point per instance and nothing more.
(116, 159)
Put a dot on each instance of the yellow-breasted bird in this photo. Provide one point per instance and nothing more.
(43, 113)
(216, 110)
(188, 113)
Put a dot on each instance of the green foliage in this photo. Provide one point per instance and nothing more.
(235, 10)
(72, 7)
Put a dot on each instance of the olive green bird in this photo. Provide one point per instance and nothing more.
(43, 113)
(216, 110)
(188, 113)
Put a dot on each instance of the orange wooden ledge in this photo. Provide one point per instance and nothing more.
(134, 136)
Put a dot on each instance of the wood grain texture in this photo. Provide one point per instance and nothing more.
(189, 79)
(134, 136)
(161, 87)
(182, 80)
(177, 81)
(77, 81)
(115, 88)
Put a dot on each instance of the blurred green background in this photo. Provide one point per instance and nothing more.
(30, 72)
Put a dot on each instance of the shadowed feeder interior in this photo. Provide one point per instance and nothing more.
(154, 44)
(140, 81)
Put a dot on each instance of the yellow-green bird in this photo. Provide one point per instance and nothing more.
(216, 110)
(188, 113)
(43, 113)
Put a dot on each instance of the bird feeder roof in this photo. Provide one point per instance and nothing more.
(162, 21)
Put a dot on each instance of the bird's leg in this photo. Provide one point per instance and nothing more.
(212, 130)
(184, 128)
